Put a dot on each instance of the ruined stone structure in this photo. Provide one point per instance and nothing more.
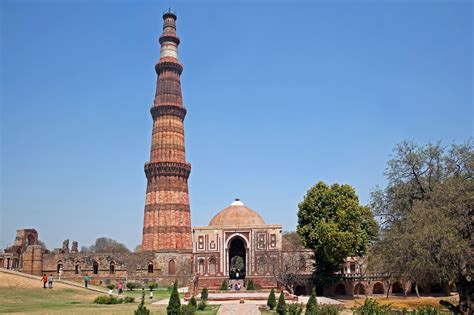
(167, 220)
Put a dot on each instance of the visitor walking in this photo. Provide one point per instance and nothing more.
(50, 281)
(60, 273)
(86, 280)
(45, 280)
(120, 288)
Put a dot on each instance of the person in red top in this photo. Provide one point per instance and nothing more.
(45, 280)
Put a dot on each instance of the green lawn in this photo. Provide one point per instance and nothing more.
(77, 301)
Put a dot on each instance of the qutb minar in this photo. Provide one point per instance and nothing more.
(167, 221)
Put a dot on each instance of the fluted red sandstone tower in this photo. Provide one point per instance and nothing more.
(167, 222)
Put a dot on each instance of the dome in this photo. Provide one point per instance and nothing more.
(237, 214)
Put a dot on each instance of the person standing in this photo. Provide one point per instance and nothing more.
(120, 288)
(86, 280)
(45, 280)
(60, 273)
(50, 281)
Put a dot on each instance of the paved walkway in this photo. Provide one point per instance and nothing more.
(238, 309)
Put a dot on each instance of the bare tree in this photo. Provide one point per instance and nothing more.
(293, 266)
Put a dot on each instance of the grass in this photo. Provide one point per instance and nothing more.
(209, 310)
(61, 301)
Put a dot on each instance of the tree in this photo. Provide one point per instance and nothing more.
(250, 285)
(152, 285)
(204, 294)
(312, 304)
(281, 307)
(141, 310)
(106, 245)
(426, 213)
(224, 285)
(290, 268)
(236, 264)
(192, 302)
(138, 248)
(334, 225)
(271, 302)
(174, 305)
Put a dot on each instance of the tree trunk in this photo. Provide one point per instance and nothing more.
(416, 290)
(388, 289)
(466, 292)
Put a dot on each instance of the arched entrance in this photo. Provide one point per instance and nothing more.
(340, 289)
(237, 258)
(397, 288)
(378, 288)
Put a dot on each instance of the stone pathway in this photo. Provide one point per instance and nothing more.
(238, 309)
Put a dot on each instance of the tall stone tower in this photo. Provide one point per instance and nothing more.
(167, 222)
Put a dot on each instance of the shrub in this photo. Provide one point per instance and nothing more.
(204, 294)
(133, 285)
(141, 310)
(174, 305)
(193, 302)
(295, 309)
(129, 299)
(312, 304)
(372, 307)
(104, 299)
(271, 302)
(281, 306)
(187, 310)
(427, 310)
(202, 305)
(224, 285)
(250, 285)
(329, 310)
(152, 285)
(111, 286)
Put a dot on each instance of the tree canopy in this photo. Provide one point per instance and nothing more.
(426, 214)
(106, 245)
(332, 222)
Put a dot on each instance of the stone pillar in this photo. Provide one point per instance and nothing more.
(167, 220)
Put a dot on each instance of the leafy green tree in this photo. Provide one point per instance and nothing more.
(281, 306)
(312, 304)
(295, 308)
(333, 223)
(142, 310)
(152, 285)
(271, 302)
(174, 305)
(106, 245)
(250, 285)
(110, 286)
(192, 302)
(426, 214)
(224, 285)
(204, 294)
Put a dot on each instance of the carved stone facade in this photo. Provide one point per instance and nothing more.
(167, 220)
(236, 231)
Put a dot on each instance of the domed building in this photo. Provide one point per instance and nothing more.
(237, 244)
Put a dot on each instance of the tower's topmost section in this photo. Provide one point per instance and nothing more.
(169, 40)
(169, 13)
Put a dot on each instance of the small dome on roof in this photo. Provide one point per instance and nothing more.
(237, 214)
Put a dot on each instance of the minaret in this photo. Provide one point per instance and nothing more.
(167, 222)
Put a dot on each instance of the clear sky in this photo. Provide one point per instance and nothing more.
(279, 95)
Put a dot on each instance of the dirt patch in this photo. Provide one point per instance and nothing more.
(14, 281)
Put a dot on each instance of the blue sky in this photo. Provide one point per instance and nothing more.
(279, 95)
